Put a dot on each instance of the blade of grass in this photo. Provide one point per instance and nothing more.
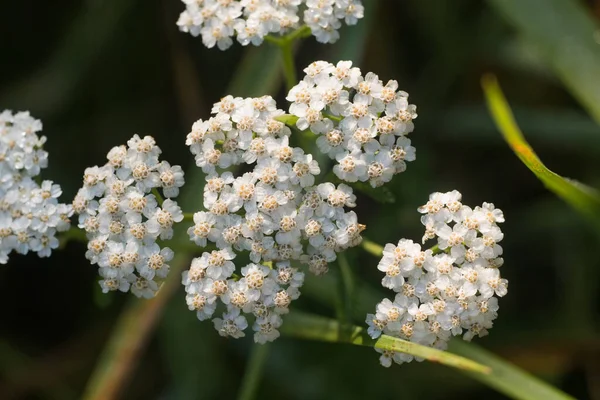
(314, 327)
(507, 378)
(583, 198)
(254, 371)
(567, 37)
(129, 338)
(504, 377)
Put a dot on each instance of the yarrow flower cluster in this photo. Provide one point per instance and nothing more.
(123, 219)
(447, 292)
(362, 123)
(275, 212)
(218, 21)
(30, 214)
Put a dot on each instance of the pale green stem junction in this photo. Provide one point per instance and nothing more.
(286, 45)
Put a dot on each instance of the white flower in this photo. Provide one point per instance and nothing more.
(232, 324)
(273, 211)
(446, 291)
(171, 179)
(123, 220)
(266, 328)
(251, 20)
(365, 133)
(30, 215)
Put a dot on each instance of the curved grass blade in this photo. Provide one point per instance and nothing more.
(505, 377)
(566, 35)
(581, 197)
(314, 327)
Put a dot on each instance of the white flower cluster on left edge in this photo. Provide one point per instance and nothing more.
(30, 215)
(274, 212)
(123, 219)
(218, 21)
(447, 293)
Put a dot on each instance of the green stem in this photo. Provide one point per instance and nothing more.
(188, 217)
(332, 117)
(159, 198)
(289, 69)
(254, 371)
(286, 45)
(73, 234)
(372, 247)
(346, 288)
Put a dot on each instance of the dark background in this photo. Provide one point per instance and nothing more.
(96, 72)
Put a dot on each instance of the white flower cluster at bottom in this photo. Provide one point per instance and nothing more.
(262, 292)
(30, 215)
(448, 291)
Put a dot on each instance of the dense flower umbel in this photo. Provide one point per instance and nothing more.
(447, 294)
(30, 215)
(218, 21)
(275, 212)
(362, 122)
(123, 219)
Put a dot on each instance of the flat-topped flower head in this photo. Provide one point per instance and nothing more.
(274, 212)
(249, 21)
(123, 218)
(362, 123)
(30, 214)
(446, 291)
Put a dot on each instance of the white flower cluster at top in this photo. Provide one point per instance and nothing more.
(446, 292)
(123, 219)
(30, 215)
(362, 123)
(275, 212)
(218, 21)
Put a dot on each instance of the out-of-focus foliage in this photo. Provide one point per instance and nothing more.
(581, 197)
(97, 72)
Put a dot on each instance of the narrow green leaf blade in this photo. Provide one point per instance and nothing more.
(505, 377)
(314, 327)
(565, 34)
(581, 197)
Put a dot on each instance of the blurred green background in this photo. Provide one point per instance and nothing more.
(98, 71)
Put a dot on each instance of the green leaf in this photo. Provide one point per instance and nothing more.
(505, 377)
(288, 119)
(566, 36)
(314, 327)
(581, 197)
